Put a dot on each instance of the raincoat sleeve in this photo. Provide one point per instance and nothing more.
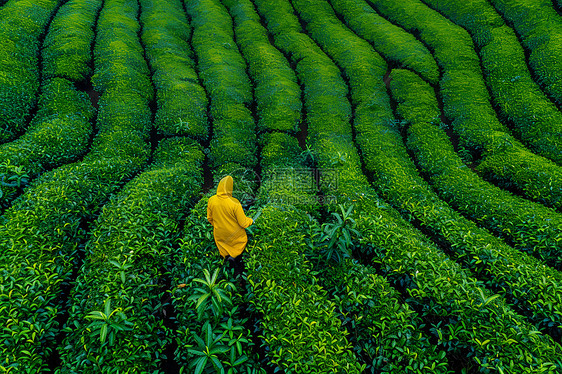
(209, 214)
(243, 221)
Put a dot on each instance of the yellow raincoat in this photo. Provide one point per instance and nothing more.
(229, 222)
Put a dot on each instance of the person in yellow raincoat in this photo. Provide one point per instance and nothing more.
(229, 222)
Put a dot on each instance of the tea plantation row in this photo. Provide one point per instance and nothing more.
(409, 183)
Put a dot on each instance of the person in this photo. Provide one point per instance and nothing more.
(229, 222)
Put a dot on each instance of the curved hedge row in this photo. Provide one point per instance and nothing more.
(399, 47)
(229, 89)
(537, 121)
(536, 229)
(533, 285)
(529, 226)
(350, 52)
(301, 330)
(328, 106)
(323, 330)
(406, 349)
(540, 29)
(61, 129)
(21, 25)
(119, 62)
(126, 256)
(182, 102)
(278, 96)
(291, 345)
(469, 321)
(282, 174)
(439, 287)
(217, 323)
(58, 134)
(41, 234)
(299, 323)
(67, 47)
(226, 333)
(504, 160)
(384, 330)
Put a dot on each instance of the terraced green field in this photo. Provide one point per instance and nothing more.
(406, 158)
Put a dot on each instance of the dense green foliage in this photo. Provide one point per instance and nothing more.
(182, 102)
(400, 159)
(299, 322)
(434, 282)
(399, 47)
(229, 89)
(276, 89)
(529, 226)
(297, 317)
(486, 256)
(40, 236)
(21, 25)
(127, 254)
(537, 121)
(67, 47)
(61, 129)
(533, 20)
(482, 138)
(384, 332)
(209, 306)
(58, 134)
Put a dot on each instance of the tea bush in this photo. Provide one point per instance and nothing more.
(181, 100)
(439, 283)
(470, 322)
(540, 31)
(399, 47)
(61, 129)
(278, 95)
(211, 325)
(21, 25)
(127, 255)
(300, 327)
(536, 120)
(67, 47)
(105, 230)
(295, 312)
(229, 89)
(384, 330)
(41, 233)
(118, 54)
(58, 134)
(500, 157)
(529, 226)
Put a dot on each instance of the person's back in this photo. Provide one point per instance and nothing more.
(229, 222)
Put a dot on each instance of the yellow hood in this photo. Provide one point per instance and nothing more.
(224, 189)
